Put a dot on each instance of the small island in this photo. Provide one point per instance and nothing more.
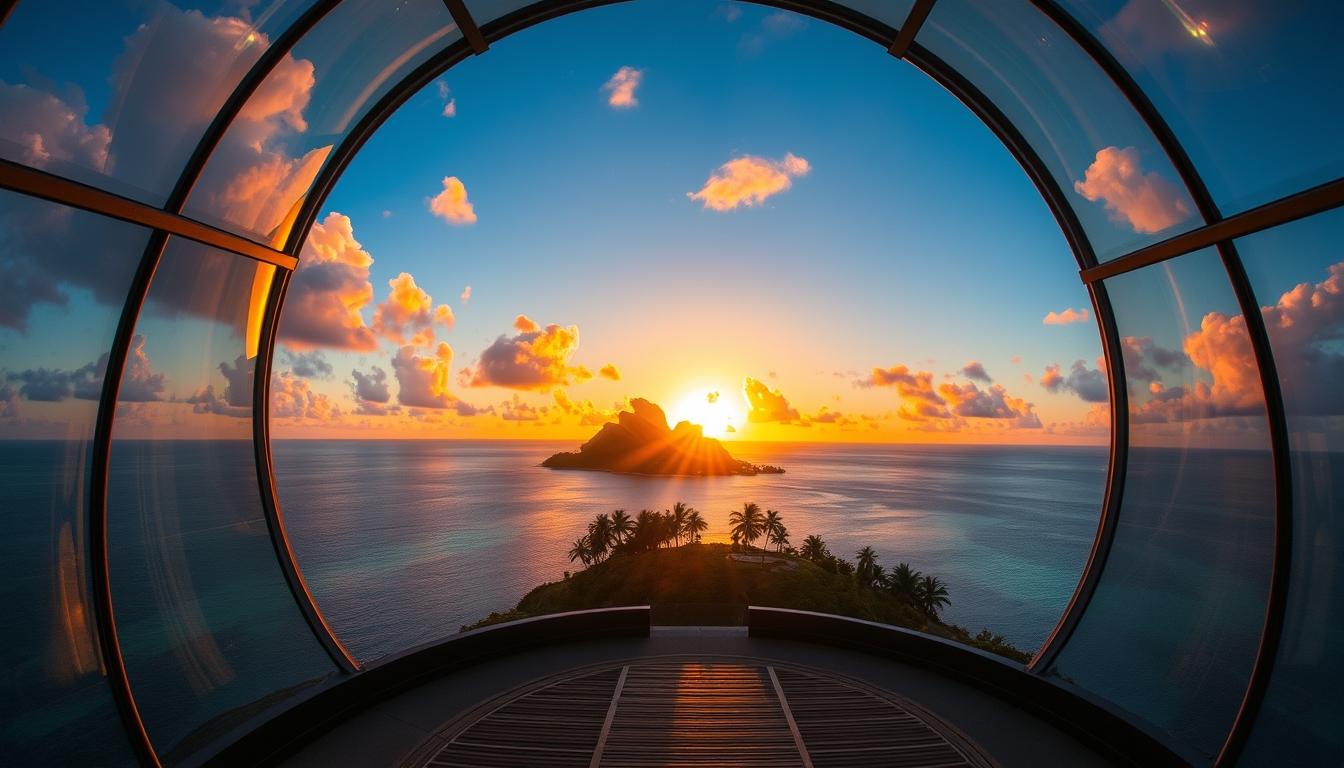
(640, 443)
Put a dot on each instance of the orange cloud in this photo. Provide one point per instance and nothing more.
(293, 398)
(1222, 347)
(422, 382)
(749, 180)
(535, 359)
(622, 86)
(1067, 316)
(1090, 385)
(589, 415)
(969, 401)
(765, 405)
(976, 371)
(1305, 327)
(410, 311)
(451, 204)
(328, 291)
(1147, 203)
(609, 371)
(466, 296)
(920, 401)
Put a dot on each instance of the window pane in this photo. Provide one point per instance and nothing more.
(1101, 153)
(209, 630)
(1298, 273)
(1173, 628)
(63, 277)
(117, 94)
(1255, 91)
(259, 176)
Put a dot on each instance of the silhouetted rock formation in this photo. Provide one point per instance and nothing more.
(641, 443)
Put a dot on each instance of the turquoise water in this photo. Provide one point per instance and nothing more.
(402, 542)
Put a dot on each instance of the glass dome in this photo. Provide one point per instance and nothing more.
(1190, 153)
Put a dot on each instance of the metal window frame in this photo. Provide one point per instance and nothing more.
(168, 221)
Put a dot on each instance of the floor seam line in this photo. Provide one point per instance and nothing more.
(611, 715)
(788, 715)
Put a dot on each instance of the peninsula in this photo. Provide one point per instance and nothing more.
(640, 442)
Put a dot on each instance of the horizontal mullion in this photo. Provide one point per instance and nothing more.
(35, 183)
(1299, 206)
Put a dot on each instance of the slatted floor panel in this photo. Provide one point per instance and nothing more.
(711, 712)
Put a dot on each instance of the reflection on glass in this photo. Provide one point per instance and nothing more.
(56, 326)
(255, 182)
(1254, 91)
(1111, 168)
(1297, 271)
(116, 94)
(1172, 631)
(209, 629)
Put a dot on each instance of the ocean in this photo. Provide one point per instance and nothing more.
(402, 542)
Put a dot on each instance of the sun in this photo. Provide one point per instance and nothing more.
(711, 410)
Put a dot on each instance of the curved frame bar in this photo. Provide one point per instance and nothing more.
(270, 498)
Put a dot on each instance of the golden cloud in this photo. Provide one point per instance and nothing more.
(535, 359)
(422, 382)
(1067, 316)
(609, 371)
(589, 415)
(409, 315)
(451, 204)
(749, 180)
(329, 290)
(919, 400)
(1147, 203)
(622, 86)
(294, 398)
(765, 405)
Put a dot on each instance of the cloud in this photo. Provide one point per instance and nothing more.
(307, 365)
(409, 315)
(535, 359)
(749, 180)
(139, 382)
(517, 410)
(1067, 316)
(765, 405)
(293, 398)
(826, 416)
(780, 25)
(1147, 203)
(712, 397)
(370, 387)
(610, 371)
(969, 401)
(729, 12)
(1144, 359)
(976, 371)
(422, 382)
(328, 291)
(1089, 384)
(919, 400)
(206, 400)
(1305, 327)
(450, 109)
(49, 129)
(9, 398)
(622, 86)
(451, 204)
(589, 415)
(1016, 359)
(466, 296)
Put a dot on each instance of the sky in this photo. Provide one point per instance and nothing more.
(763, 223)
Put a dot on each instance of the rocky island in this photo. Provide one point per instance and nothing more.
(640, 442)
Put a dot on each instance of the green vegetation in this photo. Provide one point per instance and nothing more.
(642, 560)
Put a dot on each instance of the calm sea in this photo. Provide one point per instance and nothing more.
(402, 542)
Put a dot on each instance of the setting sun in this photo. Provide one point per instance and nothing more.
(711, 410)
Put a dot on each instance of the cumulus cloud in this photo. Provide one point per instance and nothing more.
(293, 397)
(969, 401)
(920, 402)
(236, 400)
(139, 382)
(1145, 360)
(9, 398)
(1305, 327)
(1147, 203)
(46, 129)
(206, 400)
(534, 359)
(589, 414)
(372, 387)
(975, 371)
(307, 365)
(610, 371)
(1067, 317)
(1088, 384)
(451, 204)
(827, 416)
(450, 109)
(766, 405)
(517, 410)
(409, 315)
(329, 290)
(749, 180)
(622, 86)
(422, 382)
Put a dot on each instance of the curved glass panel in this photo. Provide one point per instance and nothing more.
(1113, 171)
(63, 276)
(209, 629)
(1172, 630)
(1254, 91)
(1298, 273)
(256, 181)
(118, 94)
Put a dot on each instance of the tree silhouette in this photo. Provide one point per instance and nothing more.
(695, 525)
(869, 572)
(581, 551)
(621, 526)
(679, 512)
(747, 524)
(600, 537)
(813, 549)
(932, 596)
(904, 584)
(773, 526)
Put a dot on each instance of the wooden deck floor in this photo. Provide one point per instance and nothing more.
(685, 713)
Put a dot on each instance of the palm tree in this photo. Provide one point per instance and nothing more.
(772, 525)
(695, 525)
(679, 512)
(868, 569)
(779, 537)
(813, 549)
(621, 525)
(932, 596)
(581, 551)
(747, 524)
(904, 583)
(648, 532)
(600, 537)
